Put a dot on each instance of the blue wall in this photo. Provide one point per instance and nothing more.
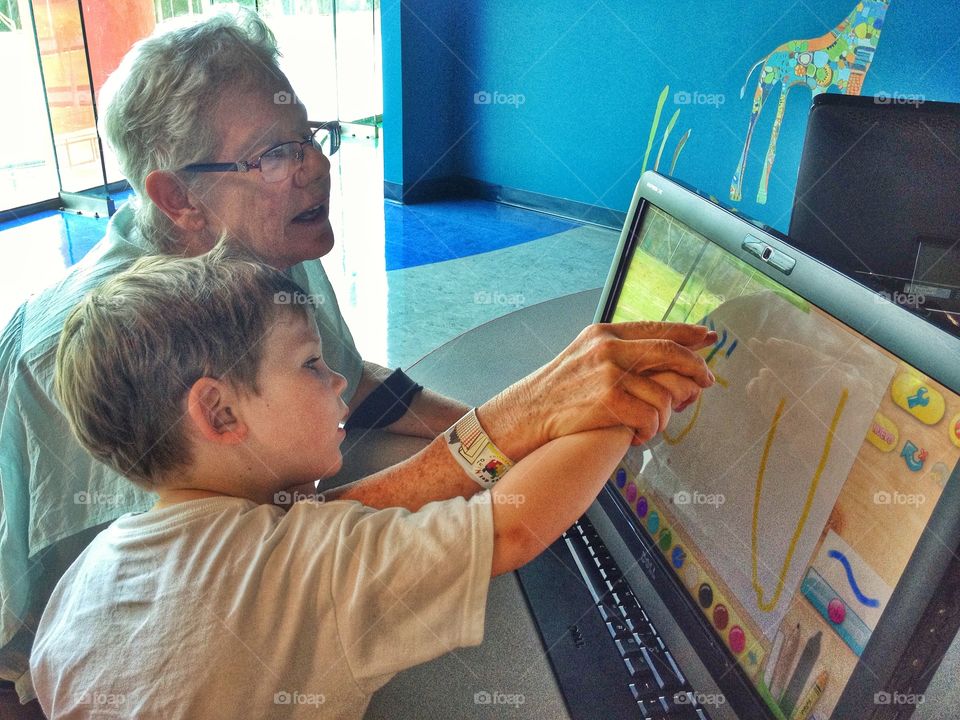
(578, 86)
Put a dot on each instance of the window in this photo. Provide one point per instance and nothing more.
(49, 144)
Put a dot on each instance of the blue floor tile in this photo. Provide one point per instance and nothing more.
(445, 230)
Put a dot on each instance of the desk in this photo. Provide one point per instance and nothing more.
(472, 368)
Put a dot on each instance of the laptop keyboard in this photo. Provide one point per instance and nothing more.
(658, 685)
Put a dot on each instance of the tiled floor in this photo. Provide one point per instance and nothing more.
(408, 278)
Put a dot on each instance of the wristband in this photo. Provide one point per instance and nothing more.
(474, 450)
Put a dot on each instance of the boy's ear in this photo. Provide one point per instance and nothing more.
(210, 408)
(170, 195)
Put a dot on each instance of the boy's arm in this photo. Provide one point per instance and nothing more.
(548, 490)
(533, 504)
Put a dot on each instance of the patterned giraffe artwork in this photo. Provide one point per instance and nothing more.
(840, 59)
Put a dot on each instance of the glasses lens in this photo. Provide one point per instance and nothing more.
(321, 140)
(327, 139)
(278, 163)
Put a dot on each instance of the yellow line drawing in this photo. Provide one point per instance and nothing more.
(674, 439)
(811, 492)
(683, 433)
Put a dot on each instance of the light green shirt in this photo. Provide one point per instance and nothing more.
(51, 488)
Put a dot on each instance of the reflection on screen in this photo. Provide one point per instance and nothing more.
(789, 499)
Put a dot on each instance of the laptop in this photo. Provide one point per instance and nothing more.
(786, 547)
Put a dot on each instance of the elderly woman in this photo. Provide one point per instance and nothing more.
(192, 118)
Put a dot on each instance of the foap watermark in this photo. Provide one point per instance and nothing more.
(898, 698)
(698, 498)
(102, 699)
(683, 97)
(284, 697)
(897, 98)
(508, 499)
(882, 497)
(904, 299)
(286, 497)
(285, 97)
(297, 298)
(493, 297)
(485, 97)
(699, 698)
(496, 697)
(84, 497)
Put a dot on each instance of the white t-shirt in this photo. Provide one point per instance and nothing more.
(222, 608)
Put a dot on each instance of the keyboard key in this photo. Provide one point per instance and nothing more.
(609, 614)
(640, 672)
(661, 669)
(602, 556)
(616, 582)
(628, 646)
(642, 630)
(612, 576)
(651, 708)
(643, 692)
(631, 608)
(618, 630)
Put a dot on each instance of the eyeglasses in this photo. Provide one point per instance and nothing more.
(281, 161)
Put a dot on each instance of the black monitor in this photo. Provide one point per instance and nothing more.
(800, 519)
(878, 197)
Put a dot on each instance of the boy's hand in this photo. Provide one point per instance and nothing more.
(604, 378)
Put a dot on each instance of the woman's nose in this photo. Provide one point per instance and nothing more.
(315, 164)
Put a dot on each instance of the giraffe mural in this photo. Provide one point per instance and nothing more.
(840, 59)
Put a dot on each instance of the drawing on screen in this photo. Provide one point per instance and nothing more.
(711, 360)
(842, 559)
(768, 605)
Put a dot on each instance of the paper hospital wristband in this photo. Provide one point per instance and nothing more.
(474, 450)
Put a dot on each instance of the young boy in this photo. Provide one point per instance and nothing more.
(194, 379)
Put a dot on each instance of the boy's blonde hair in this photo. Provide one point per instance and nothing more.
(131, 350)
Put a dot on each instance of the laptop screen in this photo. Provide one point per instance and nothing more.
(789, 501)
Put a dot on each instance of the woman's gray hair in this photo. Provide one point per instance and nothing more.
(160, 104)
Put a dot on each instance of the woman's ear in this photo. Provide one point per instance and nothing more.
(169, 194)
(211, 408)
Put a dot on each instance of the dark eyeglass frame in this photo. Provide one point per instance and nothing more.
(331, 126)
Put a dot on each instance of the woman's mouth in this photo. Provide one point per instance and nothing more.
(317, 212)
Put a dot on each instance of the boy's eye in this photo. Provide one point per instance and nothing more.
(312, 363)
